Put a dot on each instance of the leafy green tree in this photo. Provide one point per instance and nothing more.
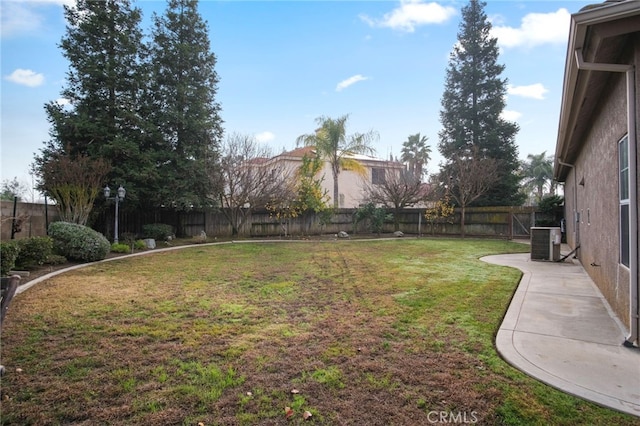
(13, 188)
(74, 183)
(102, 119)
(416, 153)
(537, 173)
(185, 115)
(333, 144)
(310, 196)
(374, 217)
(472, 103)
(440, 211)
(303, 197)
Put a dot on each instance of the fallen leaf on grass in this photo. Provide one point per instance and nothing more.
(306, 415)
(295, 391)
(288, 412)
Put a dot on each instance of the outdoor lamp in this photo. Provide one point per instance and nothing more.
(119, 197)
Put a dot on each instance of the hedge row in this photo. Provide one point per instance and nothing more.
(65, 241)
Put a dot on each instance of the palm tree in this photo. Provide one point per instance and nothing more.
(415, 152)
(537, 172)
(333, 144)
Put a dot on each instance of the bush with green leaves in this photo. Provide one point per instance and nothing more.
(157, 231)
(374, 217)
(139, 245)
(56, 259)
(9, 251)
(120, 248)
(34, 251)
(78, 242)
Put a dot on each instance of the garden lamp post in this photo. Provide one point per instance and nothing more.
(118, 197)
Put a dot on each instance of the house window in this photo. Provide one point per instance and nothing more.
(623, 164)
(377, 176)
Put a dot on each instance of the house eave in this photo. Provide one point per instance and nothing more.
(578, 83)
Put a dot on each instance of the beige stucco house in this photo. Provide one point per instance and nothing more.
(597, 151)
(351, 184)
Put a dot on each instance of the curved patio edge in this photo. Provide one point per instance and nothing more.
(559, 330)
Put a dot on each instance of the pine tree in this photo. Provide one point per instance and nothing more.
(472, 103)
(184, 110)
(103, 43)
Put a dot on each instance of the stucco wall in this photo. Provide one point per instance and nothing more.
(31, 219)
(594, 182)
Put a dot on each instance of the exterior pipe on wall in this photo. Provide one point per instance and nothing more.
(576, 218)
(629, 70)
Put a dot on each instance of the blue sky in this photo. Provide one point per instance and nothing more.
(281, 64)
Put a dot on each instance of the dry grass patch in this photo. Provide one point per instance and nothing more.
(376, 332)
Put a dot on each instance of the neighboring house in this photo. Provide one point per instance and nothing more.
(597, 151)
(351, 184)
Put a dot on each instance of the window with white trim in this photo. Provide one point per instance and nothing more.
(623, 167)
(377, 176)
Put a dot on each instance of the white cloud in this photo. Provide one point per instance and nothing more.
(25, 77)
(510, 115)
(535, 29)
(533, 91)
(349, 81)
(265, 136)
(411, 14)
(17, 18)
(20, 17)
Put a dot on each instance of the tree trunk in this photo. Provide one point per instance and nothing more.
(336, 192)
(463, 210)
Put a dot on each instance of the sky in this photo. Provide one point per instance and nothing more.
(282, 64)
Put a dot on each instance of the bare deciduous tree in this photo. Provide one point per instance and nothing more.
(469, 176)
(399, 189)
(249, 179)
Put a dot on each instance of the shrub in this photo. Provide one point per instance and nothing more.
(120, 248)
(373, 216)
(139, 245)
(9, 251)
(56, 259)
(78, 242)
(157, 231)
(34, 251)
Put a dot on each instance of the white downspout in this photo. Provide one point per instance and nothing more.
(576, 218)
(629, 70)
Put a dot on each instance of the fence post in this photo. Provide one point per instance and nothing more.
(510, 223)
(13, 219)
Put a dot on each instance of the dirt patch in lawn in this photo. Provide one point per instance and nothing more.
(262, 334)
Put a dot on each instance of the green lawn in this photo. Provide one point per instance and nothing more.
(398, 331)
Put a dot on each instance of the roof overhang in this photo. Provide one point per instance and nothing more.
(600, 33)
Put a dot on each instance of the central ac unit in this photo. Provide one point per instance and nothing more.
(545, 243)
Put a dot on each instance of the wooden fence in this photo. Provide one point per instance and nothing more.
(496, 222)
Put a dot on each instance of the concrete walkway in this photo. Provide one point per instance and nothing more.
(560, 330)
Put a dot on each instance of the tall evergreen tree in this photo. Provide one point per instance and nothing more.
(184, 110)
(103, 43)
(472, 103)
